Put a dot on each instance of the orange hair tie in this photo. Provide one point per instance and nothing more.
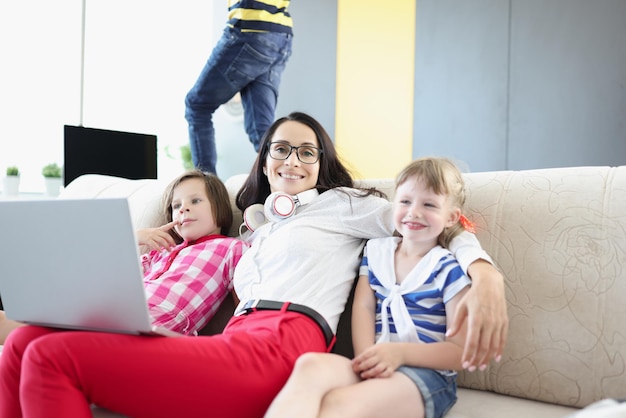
(467, 224)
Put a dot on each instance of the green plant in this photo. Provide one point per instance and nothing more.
(185, 154)
(13, 171)
(51, 170)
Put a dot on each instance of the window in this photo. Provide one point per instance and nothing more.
(141, 57)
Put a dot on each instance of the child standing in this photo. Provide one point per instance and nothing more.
(407, 287)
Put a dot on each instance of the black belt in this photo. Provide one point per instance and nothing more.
(270, 305)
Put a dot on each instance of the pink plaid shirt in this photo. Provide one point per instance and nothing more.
(186, 286)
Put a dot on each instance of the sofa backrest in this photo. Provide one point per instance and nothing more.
(559, 237)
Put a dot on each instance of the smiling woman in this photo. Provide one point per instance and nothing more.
(286, 170)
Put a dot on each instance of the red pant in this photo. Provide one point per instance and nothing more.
(48, 373)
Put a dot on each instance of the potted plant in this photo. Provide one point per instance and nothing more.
(185, 155)
(11, 182)
(52, 176)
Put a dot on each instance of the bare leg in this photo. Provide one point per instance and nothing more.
(381, 397)
(6, 326)
(313, 376)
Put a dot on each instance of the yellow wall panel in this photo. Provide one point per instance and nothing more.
(375, 79)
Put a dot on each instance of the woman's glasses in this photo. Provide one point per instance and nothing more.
(305, 153)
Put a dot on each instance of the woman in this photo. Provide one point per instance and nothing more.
(309, 259)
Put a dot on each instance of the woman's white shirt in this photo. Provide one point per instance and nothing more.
(313, 257)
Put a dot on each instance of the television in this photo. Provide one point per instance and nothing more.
(115, 153)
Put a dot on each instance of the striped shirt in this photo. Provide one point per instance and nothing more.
(186, 286)
(425, 303)
(260, 15)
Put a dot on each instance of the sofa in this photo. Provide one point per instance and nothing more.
(559, 237)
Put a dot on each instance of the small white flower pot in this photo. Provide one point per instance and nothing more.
(53, 186)
(11, 185)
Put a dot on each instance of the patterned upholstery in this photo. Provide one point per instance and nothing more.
(559, 236)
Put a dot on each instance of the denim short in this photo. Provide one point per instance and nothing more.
(438, 391)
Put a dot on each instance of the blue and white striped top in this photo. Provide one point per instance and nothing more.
(435, 280)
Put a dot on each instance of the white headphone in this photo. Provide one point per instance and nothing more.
(278, 206)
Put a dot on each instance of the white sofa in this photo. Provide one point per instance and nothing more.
(559, 237)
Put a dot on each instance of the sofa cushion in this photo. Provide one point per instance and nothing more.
(481, 404)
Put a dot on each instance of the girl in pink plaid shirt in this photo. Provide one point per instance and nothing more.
(189, 266)
(189, 269)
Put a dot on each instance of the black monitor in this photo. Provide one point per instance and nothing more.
(100, 151)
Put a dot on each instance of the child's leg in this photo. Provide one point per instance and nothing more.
(409, 392)
(6, 326)
(313, 376)
(395, 396)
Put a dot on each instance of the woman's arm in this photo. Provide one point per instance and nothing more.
(484, 306)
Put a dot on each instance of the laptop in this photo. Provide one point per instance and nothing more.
(73, 264)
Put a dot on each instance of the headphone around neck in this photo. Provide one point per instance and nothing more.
(278, 206)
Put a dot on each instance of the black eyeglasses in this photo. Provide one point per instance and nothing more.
(307, 154)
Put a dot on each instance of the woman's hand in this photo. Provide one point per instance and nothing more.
(157, 238)
(484, 307)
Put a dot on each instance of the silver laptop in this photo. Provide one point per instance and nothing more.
(73, 264)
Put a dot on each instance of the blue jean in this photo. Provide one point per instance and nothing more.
(438, 390)
(247, 62)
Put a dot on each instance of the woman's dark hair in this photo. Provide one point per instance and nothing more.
(215, 190)
(332, 172)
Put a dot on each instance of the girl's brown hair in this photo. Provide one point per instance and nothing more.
(442, 176)
(218, 197)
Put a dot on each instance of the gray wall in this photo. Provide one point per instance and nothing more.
(461, 81)
(499, 84)
(521, 84)
(568, 83)
(309, 81)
